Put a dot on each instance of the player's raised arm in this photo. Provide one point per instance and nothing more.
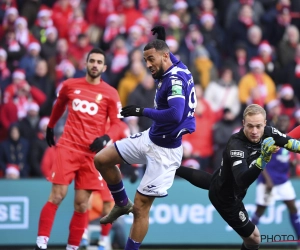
(285, 141)
(57, 111)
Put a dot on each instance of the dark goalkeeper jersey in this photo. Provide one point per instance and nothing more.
(237, 171)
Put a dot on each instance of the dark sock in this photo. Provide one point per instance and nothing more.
(295, 221)
(119, 194)
(196, 177)
(132, 245)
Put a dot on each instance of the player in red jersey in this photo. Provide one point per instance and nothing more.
(90, 102)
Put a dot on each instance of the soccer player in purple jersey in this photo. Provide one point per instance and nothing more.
(159, 147)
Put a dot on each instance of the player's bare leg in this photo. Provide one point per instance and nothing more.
(139, 228)
(252, 242)
(48, 212)
(294, 218)
(78, 221)
(258, 213)
(105, 161)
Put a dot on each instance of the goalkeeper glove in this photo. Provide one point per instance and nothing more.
(267, 149)
(293, 145)
(99, 143)
(132, 110)
(50, 137)
(160, 31)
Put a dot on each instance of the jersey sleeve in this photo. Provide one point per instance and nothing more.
(114, 109)
(176, 88)
(283, 140)
(244, 175)
(59, 106)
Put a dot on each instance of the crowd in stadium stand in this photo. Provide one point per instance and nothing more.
(239, 52)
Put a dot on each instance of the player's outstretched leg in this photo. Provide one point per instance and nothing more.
(198, 178)
(105, 161)
(48, 213)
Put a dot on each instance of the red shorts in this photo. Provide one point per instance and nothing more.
(69, 165)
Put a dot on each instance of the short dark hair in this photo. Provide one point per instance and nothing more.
(96, 51)
(157, 44)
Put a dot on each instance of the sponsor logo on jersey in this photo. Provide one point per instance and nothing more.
(84, 106)
(237, 153)
(98, 98)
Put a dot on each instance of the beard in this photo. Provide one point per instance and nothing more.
(159, 73)
(93, 74)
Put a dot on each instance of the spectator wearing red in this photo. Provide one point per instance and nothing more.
(62, 13)
(77, 25)
(152, 12)
(135, 38)
(8, 116)
(288, 103)
(10, 16)
(112, 29)
(202, 138)
(129, 13)
(23, 35)
(97, 11)
(78, 50)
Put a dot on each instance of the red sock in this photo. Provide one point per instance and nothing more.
(105, 229)
(46, 219)
(77, 225)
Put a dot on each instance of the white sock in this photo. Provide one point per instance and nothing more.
(71, 247)
(103, 241)
(85, 234)
(42, 241)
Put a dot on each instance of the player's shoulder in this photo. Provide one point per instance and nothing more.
(105, 85)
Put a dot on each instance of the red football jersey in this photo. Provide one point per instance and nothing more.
(89, 108)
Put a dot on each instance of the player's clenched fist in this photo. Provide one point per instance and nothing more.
(50, 137)
(99, 143)
(132, 110)
(160, 31)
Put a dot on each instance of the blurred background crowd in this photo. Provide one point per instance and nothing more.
(239, 52)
